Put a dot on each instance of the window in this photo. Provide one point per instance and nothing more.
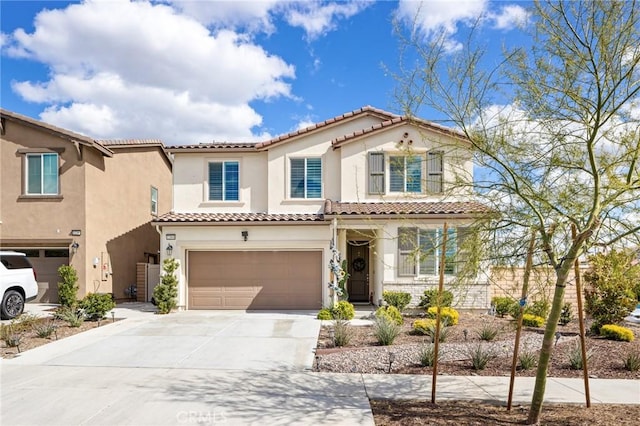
(42, 174)
(306, 178)
(405, 173)
(376, 173)
(419, 251)
(434, 172)
(154, 201)
(224, 181)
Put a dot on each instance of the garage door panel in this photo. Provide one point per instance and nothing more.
(255, 280)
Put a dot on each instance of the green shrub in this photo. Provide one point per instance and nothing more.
(430, 298)
(68, 287)
(44, 329)
(615, 332)
(343, 310)
(539, 308)
(399, 299)
(341, 333)
(427, 355)
(575, 357)
(97, 305)
(488, 332)
(632, 361)
(73, 316)
(390, 312)
(527, 360)
(480, 357)
(325, 314)
(529, 320)
(504, 305)
(166, 293)
(566, 315)
(447, 314)
(385, 330)
(610, 287)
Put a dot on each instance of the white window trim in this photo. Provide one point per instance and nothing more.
(154, 211)
(288, 177)
(423, 170)
(416, 252)
(205, 193)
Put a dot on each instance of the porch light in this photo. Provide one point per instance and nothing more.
(169, 249)
(75, 246)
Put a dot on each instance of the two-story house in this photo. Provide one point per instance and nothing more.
(255, 225)
(67, 199)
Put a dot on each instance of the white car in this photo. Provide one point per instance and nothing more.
(634, 317)
(17, 283)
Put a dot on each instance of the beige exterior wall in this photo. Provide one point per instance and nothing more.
(118, 202)
(508, 282)
(106, 198)
(35, 221)
(190, 183)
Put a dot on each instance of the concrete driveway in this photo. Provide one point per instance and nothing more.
(184, 368)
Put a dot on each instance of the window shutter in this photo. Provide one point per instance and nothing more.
(314, 178)
(434, 172)
(407, 248)
(376, 173)
(414, 173)
(215, 181)
(396, 174)
(429, 251)
(231, 181)
(297, 178)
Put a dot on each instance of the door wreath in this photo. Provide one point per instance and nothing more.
(358, 264)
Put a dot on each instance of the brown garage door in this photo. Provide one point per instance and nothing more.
(255, 280)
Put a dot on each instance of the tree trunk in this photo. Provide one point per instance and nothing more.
(547, 344)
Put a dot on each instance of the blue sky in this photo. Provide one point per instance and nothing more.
(200, 71)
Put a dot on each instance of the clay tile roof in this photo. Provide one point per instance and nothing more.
(130, 142)
(364, 110)
(214, 146)
(404, 208)
(395, 121)
(212, 218)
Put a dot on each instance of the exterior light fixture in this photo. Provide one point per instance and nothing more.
(75, 246)
(169, 249)
(245, 235)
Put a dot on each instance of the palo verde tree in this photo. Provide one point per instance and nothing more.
(554, 127)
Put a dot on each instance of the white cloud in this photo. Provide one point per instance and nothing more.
(139, 67)
(252, 16)
(511, 16)
(442, 18)
(317, 19)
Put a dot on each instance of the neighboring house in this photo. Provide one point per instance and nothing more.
(253, 223)
(68, 199)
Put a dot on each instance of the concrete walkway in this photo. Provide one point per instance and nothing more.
(87, 379)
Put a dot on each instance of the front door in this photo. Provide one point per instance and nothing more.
(358, 268)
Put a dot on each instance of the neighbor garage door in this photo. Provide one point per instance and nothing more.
(255, 280)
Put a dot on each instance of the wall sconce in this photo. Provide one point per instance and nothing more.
(169, 249)
(96, 262)
(75, 246)
(245, 235)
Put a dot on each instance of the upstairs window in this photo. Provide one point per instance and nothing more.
(42, 174)
(306, 178)
(224, 181)
(419, 251)
(154, 201)
(405, 173)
